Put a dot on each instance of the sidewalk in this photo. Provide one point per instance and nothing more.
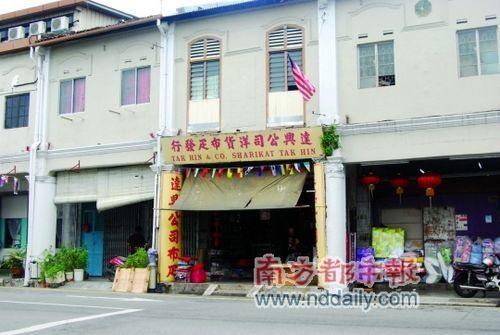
(439, 294)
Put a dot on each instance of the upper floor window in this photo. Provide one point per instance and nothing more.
(17, 111)
(376, 64)
(282, 42)
(204, 69)
(72, 96)
(478, 51)
(136, 84)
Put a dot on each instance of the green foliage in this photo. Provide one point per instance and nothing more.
(81, 257)
(66, 260)
(139, 259)
(330, 140)
(50, 265)
(15, 259)
(66, 257)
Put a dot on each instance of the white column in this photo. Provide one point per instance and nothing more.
(335, 180)
(327, 58)
(45, 216)
(336, 213)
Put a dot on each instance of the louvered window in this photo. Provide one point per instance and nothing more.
(282, 42)
(204, 71)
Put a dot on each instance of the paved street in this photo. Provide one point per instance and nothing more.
(61, 311)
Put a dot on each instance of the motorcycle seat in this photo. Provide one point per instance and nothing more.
(470, 265)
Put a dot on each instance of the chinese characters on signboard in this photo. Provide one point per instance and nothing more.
(170, 226)
(274, 144)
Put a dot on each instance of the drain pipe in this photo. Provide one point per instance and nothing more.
(162, 126)
(38, 58)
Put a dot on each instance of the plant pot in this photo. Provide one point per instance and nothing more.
(78, 274)
(69, 275)
(16, 272)
(58, 279)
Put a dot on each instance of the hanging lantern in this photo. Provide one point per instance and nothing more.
(429, 181)
(370, 180)
(399, 183)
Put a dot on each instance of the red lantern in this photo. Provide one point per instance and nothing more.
(370, 180)
(429, 181)
(399, 183)
(85, 227)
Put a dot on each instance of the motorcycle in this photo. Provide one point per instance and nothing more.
(112, 265)
(471, 278)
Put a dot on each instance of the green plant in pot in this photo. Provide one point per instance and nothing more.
(52, 268)
(80, 258)
(15, 262)
(66, 257)
(139, 259)
(4, 269)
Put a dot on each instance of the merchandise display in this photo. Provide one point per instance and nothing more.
(388, 242)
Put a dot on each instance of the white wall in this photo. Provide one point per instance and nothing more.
(100, 61)
(243, 62)
(14, 207)
(426, 59)
(14, 141)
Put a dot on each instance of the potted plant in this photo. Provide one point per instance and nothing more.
(80, 259)
(132, 276)
(52, 269)
(15, 262)
(4, 269)
(139, 259)
(66, 257)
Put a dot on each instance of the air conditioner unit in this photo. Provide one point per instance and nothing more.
(59, 24)
(37, 28)
(15, 33)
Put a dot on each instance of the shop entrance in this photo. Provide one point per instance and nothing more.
(227, 242)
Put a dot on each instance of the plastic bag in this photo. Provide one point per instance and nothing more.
(463, 249)
(476, 256)
(488, 248)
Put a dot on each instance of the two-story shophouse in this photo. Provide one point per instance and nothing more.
(418, 109)
(244, 173)
(79, 111)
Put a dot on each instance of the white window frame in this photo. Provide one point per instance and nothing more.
(204, 59)
(478, 52)
(135, 85)
(72, 111)
(375, 44)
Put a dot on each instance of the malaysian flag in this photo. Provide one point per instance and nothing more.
(303, 84)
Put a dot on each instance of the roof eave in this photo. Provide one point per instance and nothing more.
(229, 9)
(98, 32)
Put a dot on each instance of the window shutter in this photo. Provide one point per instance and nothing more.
(197, 72)
(293, 37)
(286, 37)
(277, 38)
(197, 49)
(205, 48)
(276, 72)
(213, 48)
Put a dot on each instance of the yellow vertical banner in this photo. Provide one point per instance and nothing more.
(170, 226)
(320, 209)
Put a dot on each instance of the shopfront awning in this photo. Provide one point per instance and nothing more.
(74, 187)
(109, 188)
(249, 192)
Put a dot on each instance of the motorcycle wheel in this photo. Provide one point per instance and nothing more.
(110, 273)
(462, 279)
